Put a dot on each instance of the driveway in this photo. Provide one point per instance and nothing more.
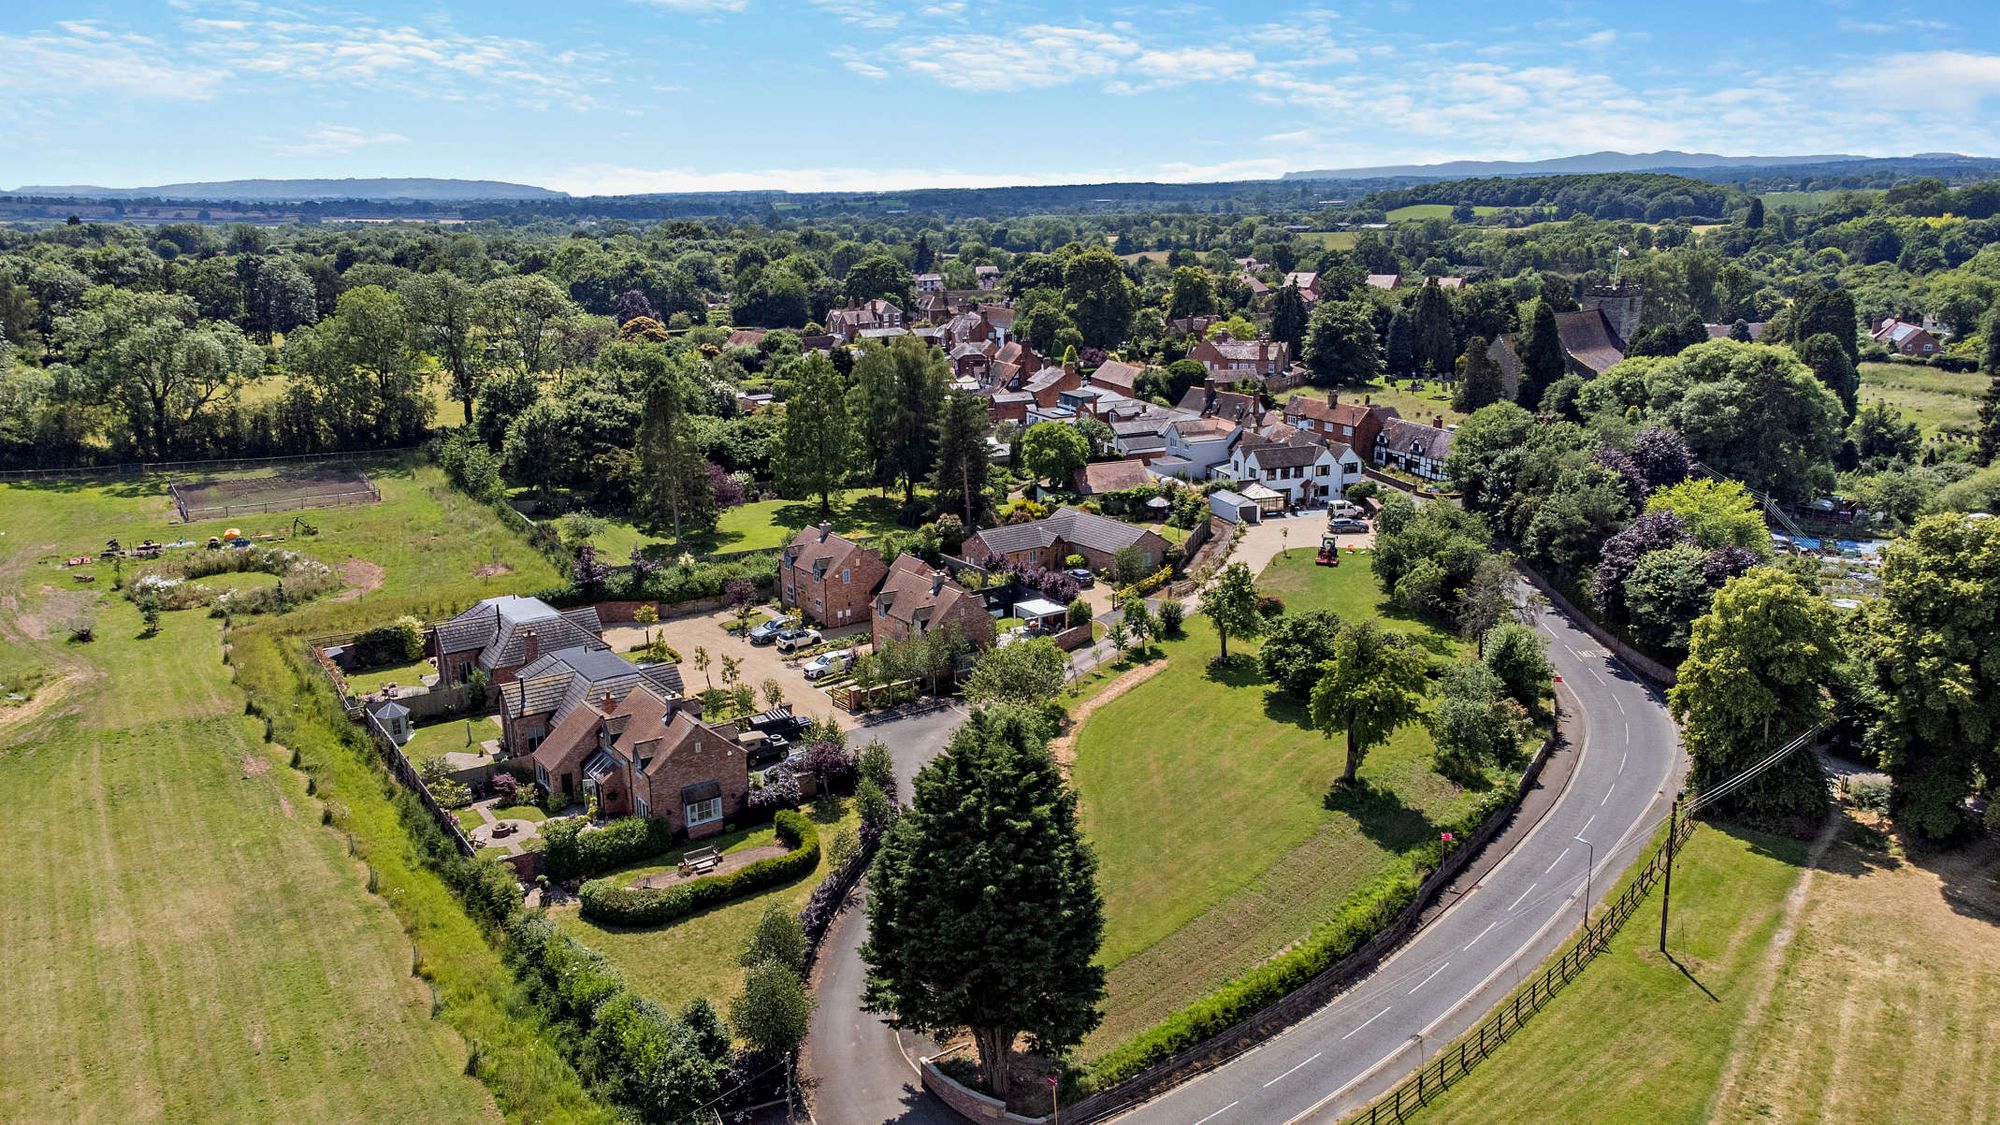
(760, 663)
(861, 1070)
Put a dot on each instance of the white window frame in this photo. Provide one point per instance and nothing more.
(640, 806)
(702, 812)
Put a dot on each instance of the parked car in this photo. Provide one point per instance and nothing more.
(1347, 508)
(792, 640)
(1342, 523)
(1084, 579)
(761, 749)
(778, 722)
(829, 663)
(768, 631)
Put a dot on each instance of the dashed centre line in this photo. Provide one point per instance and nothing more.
(1524, 894)
(1559, 859)
(1428, 979)
(1482, 933)
(1366, 1022)
(1288, 1074)
(1216, 1114)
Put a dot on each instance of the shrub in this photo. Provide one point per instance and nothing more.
(1362, 490)
(779, 791)
(829, 762)
(398, 642)
(779, 938)
(879, 766)
(570, 851)
(1079, 613)
(607, 903)
(506, 788)
(1171, 613)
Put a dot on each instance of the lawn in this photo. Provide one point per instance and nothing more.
(1639, 1038)
(764, 526)
(1332, 239)
(1208, 799)
(188, 943)
(402, 675)
(452, 736)
(697, 956)
(1416, 405)
(1939, 401)
(1434, 211)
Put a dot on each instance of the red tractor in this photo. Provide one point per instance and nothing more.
(1329, 551)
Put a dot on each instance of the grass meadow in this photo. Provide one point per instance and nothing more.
(1206, 795)
(1942, 402)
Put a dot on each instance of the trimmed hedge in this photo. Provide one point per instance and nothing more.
(607, 903)
(568, 851)
(1365, 914)
(1145, 585)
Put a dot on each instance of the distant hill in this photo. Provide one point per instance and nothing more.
(427, 190)
(1593, 162)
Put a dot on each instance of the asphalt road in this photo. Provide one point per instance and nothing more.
(1446, 977)
(858, 1067)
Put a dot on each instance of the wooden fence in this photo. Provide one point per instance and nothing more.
(399, 765)
(1458, 1058)
(1315, 993)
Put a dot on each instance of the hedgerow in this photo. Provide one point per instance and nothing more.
(607, 903)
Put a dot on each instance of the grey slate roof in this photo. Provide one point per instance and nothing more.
(1072, 525)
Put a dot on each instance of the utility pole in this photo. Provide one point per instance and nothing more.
(1590, 861)
(1673, 845)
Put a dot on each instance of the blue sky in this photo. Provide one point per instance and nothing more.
(595, 96)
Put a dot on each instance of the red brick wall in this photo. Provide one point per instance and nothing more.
(706, 757)
(832, 602)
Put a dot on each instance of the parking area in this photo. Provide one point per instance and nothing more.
(760, 662)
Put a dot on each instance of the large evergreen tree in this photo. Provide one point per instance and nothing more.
(1831, 311)
(1341, 349)
(816, 439)
(1831, 364)
(1288, 318)
(958, 484)
(1480, 382)
(1401, 355)
(1541, 358)
(1989, 407)
(674, 483)
(1751, 682)
(1436, 341)
(983, 910)
(898, 391)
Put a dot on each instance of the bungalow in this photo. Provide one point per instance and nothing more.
(1070, 531)
(827, 577)
(1349, 423)
(556, 683)
(1414, 448)
(650, 757)
(1306, 473)
(500, 634)
(1231, 360)
(1112, 476)
(916, 599)
(1905, 338)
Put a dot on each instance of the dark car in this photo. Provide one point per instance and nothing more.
(1340, 523)
(768, 631)
(1084, 579)
(779, 723)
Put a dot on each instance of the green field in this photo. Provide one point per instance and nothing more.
(1331, 239)
(1811, 200)
(186, 942)
(1417, 406)
(1204, 794)
(1942, 402)
(1638, 1038)
(697, 956)
(1434, 211)
(763, 526)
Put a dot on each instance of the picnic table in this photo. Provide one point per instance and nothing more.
(700, 861)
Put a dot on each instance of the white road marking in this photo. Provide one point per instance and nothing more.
(1594, 675)
(1288, 1074)
(1482, 933)
(1620, 703)
(1574, 653)
(1586, 827)
(1524, 894)
(1366, 1022)
(1621, 760)
(1217, 1113)
(1552, 866)
(1607, 796)
(1427, 980)
(1628, 734)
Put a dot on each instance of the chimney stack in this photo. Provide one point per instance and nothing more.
(1333, 398)
(531, 647)
(825, 529)
(1437, 421)
(937, 582)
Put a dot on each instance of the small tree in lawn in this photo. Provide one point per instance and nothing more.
(773, 1013)
(1120, 635)
(1140, 622)
(1373, 685)
(984, 913)
(732, 669)
(1231, 602)
(779, 938)
(590, 572)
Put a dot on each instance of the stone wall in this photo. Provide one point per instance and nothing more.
(970, 1104)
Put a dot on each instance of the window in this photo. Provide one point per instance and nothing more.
(846, 577)
(702, 812)
(641, 807)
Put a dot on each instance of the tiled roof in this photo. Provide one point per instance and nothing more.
(572, 628)
(1275, 456)
(1072, 525)
(1384, 280)
(1117, 373)
(1112, 476)
(915, 593)
(819, 550)
(1402, 435)
(1589, 340)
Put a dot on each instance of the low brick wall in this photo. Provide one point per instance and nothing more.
(1069, 640)
(969, 1104)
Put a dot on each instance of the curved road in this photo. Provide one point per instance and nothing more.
(1436, 985)
(1446, 977)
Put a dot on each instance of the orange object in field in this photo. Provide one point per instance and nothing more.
(233, 533)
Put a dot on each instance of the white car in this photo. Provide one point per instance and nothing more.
(829, 663)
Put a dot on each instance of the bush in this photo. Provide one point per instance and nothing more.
(1079, 613)
(607, 903)
(570, 851)
(1362, 490)
(779, 791)
(399, 642)
(1171, 613)
(506, 788)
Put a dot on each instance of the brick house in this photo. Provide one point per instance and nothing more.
(850, 323)
(915, 599)
(1349, 423)
(549, 687)
(1306, 472)
(647, 756)
(828, 578)
(501, 634)
(1308, 285)
(1069, 531)
(1231, 360)
(1904, 338)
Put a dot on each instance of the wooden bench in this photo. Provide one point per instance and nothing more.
(700, 861)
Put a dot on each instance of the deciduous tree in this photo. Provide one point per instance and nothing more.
(815, 443)
(1374, 683)
(1230, 601)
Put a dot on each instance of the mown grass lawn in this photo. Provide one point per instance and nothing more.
(1210, 803)
(402, 675)
(186, 941)
(1636, 1038)
(451, 736)
(1939, 401)
(1415, 405)
(763, 526)
(698, 956)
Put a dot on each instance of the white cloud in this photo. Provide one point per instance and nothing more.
(80, 57)
(334, 140)
(865, 69)
(1596, 40)
(1958, 81)
(700, 7)
(861, 13)
(1034, 57)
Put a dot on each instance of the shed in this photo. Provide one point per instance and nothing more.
(1234, 506)
(395, 719)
